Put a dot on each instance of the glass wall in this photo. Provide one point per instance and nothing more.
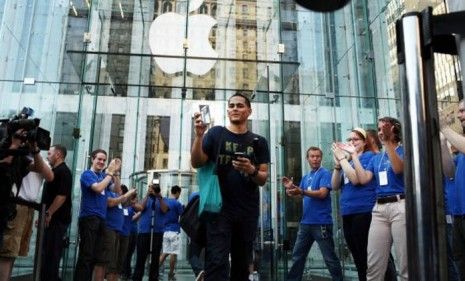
(127, 76)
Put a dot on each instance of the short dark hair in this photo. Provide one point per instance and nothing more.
(247, 100)
(124, 188)
(175, 189)
(94, 153)
(60, 148)
(314, 148)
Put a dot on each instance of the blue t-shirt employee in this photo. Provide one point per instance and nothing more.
(151, 225)
(457, 140)
(94, 184)
(316, 223)
(233, 230)
(388, 215)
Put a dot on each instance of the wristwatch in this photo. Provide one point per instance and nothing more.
(255, 173)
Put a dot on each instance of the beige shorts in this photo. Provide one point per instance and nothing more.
(171, 243)
(18, 233)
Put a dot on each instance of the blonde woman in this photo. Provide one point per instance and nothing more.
(357, 200)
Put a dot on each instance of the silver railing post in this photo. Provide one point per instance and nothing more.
(39, 243)
(425, 229)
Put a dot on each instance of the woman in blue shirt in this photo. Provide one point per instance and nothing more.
(357, 200)
(388, 215)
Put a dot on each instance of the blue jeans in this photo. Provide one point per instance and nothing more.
(323, 235)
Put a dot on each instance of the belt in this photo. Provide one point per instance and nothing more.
(390, 199)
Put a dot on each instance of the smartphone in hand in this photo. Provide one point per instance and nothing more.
(238, 154)
(205, 114)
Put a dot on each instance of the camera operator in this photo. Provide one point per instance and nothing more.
(150, 237)
(27, 172)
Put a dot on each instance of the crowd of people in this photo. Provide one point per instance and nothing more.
(113, 224)
(372, 202)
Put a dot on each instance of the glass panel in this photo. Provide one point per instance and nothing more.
(127, 76)
(157, 142)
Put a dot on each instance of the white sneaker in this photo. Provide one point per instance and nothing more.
(200, 276)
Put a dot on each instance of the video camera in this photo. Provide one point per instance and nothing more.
(31, 133)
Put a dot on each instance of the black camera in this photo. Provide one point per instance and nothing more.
(31, 133)
(155, 186)
(28, 132)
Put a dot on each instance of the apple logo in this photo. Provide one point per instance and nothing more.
(166, 37)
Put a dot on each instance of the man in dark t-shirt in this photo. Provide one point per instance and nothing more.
(242, 159)
(57, 199)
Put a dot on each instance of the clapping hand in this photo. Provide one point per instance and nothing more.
(387, 133)
(291, 189)
(338, 153)
(114, 166)
(445, 119)
(130, 193)
(288, 182)
(347, 147)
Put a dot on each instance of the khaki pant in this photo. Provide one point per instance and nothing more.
(18, 233)
(387, 226)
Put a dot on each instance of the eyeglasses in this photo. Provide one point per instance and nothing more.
(353, 139)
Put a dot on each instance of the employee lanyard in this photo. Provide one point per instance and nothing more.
(381, 162)
(382, 158)
(314, 176)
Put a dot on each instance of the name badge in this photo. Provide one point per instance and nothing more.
(449, 219)
(383, 179)
(346, 179)
(125, 212)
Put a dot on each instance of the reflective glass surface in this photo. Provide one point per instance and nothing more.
(127, 76)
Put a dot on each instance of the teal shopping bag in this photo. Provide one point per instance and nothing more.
(209, 191)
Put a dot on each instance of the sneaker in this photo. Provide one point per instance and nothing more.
(200, 276)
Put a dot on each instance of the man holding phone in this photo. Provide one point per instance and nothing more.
(242, 159)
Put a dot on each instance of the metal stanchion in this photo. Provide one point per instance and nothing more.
(419, 35)
(421, 159)
(39, 243)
